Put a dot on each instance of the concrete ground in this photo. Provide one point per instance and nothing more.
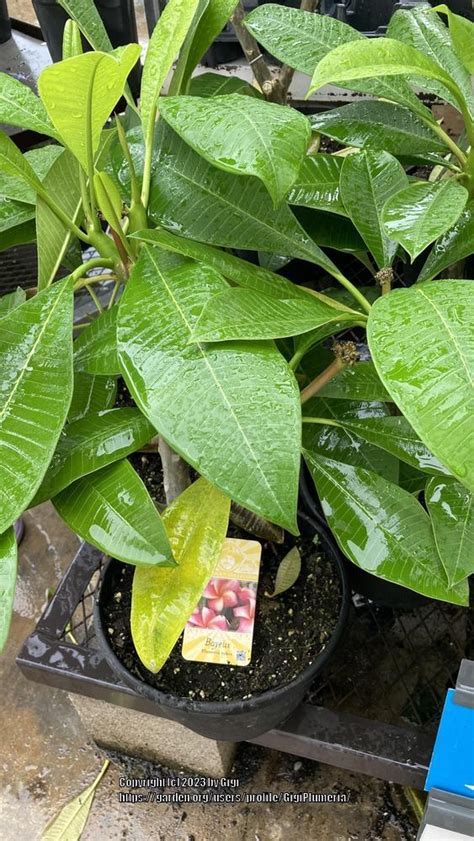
(46, 757)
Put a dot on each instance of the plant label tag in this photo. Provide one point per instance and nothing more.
(220, 629)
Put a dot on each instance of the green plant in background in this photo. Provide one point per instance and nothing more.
(226, 360)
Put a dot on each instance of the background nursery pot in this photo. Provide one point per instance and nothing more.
(233, 720)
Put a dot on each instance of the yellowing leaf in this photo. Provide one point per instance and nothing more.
(69, 824)
(163, 599)
(287, 573)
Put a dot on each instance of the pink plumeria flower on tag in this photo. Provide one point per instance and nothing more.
(246, 594)
(246, 615)
(221, 593)
(206, 618)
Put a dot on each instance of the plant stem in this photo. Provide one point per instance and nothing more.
(113, 295)
(285, 76)
(175, 471)
(325, 421)
(296, 359)
(94, 297)
(359, 297)
(128, 157)
(146, 180)
(94, 263)
(328, 374)
(269, 86)
(447, 140)
(62, 216)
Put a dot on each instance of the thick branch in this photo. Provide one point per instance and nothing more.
(176, 476)
(285, 76)
(316, 385)
(269, 86)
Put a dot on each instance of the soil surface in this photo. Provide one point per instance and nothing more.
(148, 467)
(290, 630)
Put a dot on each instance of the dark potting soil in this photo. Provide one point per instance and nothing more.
(148, 467)
(290, 630)
(124, 399)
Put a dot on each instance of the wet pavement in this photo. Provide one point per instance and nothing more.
(46, 757)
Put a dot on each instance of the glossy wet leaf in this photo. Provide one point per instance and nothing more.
(108, 199)
(69, 824)
(451, 508)
(382, 528)
(342, 236)
(420, 213)
(12, 300)
(395, 435)
(8, 561)
(16, 165)
(214, 419)
(20, 107)
(91, 443)
(422, 343)
(191, 197)
(213, 84)
(113, 510)
(164, 45)
(95, 349)
(424, 30)
(234, 268)
(462, 34)
(98, 81)
(41, 160)
(85, 14)
(344, 444)
(379, 57)
(14, 213)
(91, 393)
(163, 599)
(19, 235)
(301, 39)
(452, 246)
(411, 479)
(368, 179)
(243, 135)
(317, 184)
(382, 126)
(210, 24)
(53, 237)
(287, 573)
(246, 314)
(36, 388)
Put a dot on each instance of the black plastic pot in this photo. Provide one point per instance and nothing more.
(234, 721)
(371, 586)
(5, 25)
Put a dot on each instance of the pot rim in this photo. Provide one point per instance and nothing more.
(167, 699)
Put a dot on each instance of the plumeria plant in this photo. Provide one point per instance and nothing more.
(229, 362)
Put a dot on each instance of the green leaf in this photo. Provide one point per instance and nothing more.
(462, 34)
(108, 200)
(423, 30)
(113, 510)
(380, 56)
(246, 314)
(13, 163)
(452, 246)
(395, 435)
(11, 301)
(98, 81)
(287, 572)
(368, 179)
(69, 824)
(19, 235)
(95, 350)
(452, 516)
(411, 479)
(382, 528)
(382, 126)
(164, 45)
(163, 599)
(8, 560)
(344, 444)
(19, 106)
(243, 135)
(41, 161)
(36, 388)
(213, 84)
(301, 39)
(72, 42)
(91, 394)
(342, 236)
(85, 14)
(14, 213)
(317, 184)
(53, 236)
(356, 382)
(234, 268)
(193, 198)
(214, 419)
(210, 24)
(421, 341)
(94, 442)
(421, 212)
